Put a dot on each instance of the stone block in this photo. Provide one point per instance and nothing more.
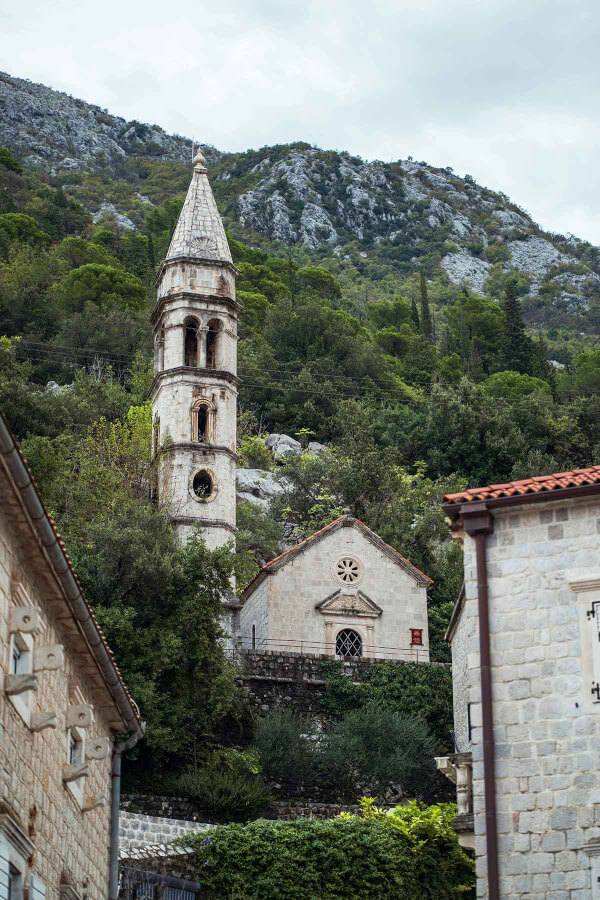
(563, 818)
(554, 841)
(541, 863)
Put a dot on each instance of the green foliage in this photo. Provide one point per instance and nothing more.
(517, 346)
(513, 385)
(409, 689)
(222, 795)
(285, 745)
(105, 286)
(9, 162)
(415, 854)
(254, 454)
(377, 747)
(257, 540)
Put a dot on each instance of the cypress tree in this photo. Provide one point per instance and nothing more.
(518, 347)
(415, 323)
(426, 326)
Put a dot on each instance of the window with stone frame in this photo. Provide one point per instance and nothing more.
(348, 643)
(21, 663)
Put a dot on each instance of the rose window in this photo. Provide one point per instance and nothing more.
(348, 570)
(348, 643)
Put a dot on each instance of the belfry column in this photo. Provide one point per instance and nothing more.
(194, 393)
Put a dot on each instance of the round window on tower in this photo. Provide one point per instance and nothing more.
(202, 485)
(348, 571)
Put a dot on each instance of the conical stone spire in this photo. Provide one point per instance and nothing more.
(199, 233)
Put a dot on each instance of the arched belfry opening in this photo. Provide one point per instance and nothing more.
(203, 421)
(191, 342)
(213, 344)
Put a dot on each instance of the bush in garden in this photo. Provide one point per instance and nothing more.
(283, 742)
(412, 853)
(378, 748)
(223, 795)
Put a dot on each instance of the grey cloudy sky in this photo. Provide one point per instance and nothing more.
(505, 90)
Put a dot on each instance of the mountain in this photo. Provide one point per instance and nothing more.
(371, 223)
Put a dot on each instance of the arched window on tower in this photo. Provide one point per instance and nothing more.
(213, 341)
(203, 420)
(348, 643)
(156, 434)
(191, 342)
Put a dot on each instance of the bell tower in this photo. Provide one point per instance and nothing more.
(194, 392)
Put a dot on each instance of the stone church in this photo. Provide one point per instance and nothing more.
(341, 592)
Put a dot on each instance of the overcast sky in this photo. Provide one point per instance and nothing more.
(506, 90)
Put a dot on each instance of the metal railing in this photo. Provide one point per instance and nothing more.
(300, 646)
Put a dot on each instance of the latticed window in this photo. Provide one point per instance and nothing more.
(348, 570)
(348, 643)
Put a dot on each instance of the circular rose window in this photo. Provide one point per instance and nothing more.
(348, 571)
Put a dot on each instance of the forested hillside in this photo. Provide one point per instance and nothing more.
(358, 331)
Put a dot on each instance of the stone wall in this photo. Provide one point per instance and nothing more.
(69, 842)
(273, 677)
(544, 576)
(149, 819)
(138, 830)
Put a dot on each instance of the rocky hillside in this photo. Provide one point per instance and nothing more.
(58, 132)
(372, 223)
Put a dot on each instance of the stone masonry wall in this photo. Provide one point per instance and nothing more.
(273, 677)
(69, 843)
(179, 816)
(544, 574)
(137, 830)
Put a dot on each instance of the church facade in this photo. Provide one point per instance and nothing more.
(343, 592)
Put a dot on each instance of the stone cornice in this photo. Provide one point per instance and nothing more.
(204, 523)
(204, 297)
(201, 374)
(200, 261)
(197, 447)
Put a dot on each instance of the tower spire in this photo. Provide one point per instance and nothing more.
(199, 233)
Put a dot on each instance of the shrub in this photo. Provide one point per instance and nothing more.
(414, 854)
(379, 748)
(254, 453)
(283, 742)
(225, 796)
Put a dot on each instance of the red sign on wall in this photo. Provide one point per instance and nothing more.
(416, 636)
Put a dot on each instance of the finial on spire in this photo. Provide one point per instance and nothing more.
(199, 159)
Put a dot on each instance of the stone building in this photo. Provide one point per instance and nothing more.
(342, 592)
(525, 641)
(62, 700)
(194, 393)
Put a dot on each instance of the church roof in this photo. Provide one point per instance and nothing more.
(199, 232)
(343, 521)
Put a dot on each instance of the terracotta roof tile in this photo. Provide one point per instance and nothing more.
(535, 485)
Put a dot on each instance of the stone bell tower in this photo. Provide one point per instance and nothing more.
(194, 393)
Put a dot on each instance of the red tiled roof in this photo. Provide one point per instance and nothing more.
(537, 485)
(279, 560)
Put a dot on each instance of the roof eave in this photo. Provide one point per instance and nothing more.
(456, 509)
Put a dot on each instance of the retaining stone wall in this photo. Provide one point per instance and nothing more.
(156, 820)
(137, 830)
(271, 677)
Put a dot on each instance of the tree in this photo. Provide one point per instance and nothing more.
(426, 323)
(9, 162)
(517, 347)
(106, 286)
(415, 322)
(514, 385)
(378, 747)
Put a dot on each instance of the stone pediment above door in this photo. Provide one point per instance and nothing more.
(349, 603)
